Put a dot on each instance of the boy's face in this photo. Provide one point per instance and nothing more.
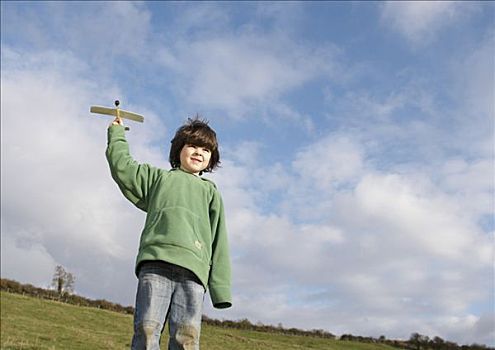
(194, 159)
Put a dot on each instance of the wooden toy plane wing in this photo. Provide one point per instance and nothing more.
(117, 111)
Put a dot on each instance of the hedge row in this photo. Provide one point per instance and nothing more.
(28, 289)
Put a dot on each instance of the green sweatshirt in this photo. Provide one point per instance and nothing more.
(185, 222)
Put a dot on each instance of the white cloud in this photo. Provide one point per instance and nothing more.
(97, 32)
(421, 21)
(421, 217)
(472, 182)
(199, 20)
(475, 74)
(284, 17)
(27, 259)
(248, 72)
(237, 71)
(473, 83)
(331, 161)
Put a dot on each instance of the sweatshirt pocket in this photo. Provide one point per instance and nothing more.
(177, 226)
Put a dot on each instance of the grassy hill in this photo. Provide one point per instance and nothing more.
(32, 323)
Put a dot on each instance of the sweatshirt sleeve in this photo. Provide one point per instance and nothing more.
(133, 179)
(220, 273)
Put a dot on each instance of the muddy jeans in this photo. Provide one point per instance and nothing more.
(167, 292)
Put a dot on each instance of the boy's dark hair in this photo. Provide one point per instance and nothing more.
(195, 132)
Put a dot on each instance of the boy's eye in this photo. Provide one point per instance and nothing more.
(196, 147)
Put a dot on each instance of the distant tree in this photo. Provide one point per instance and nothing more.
(346, 337)
(450, 345)
(63, 281)
(244, 324)
(478, 346)
(419, 341)
(438, 343)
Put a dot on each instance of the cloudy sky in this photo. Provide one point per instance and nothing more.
(357, 144)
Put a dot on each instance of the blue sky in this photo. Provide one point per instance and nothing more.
(357, 144)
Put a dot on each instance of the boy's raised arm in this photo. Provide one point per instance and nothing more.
(133, 179)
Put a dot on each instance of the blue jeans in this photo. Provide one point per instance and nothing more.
(167, 292)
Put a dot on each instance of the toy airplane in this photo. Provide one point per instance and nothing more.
(117, 112)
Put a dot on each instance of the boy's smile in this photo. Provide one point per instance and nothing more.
(194, 159)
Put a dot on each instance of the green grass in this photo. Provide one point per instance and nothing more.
(31, 323)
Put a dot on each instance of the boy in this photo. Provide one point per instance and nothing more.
(183, 248)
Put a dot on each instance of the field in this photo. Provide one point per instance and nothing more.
(31, 323)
